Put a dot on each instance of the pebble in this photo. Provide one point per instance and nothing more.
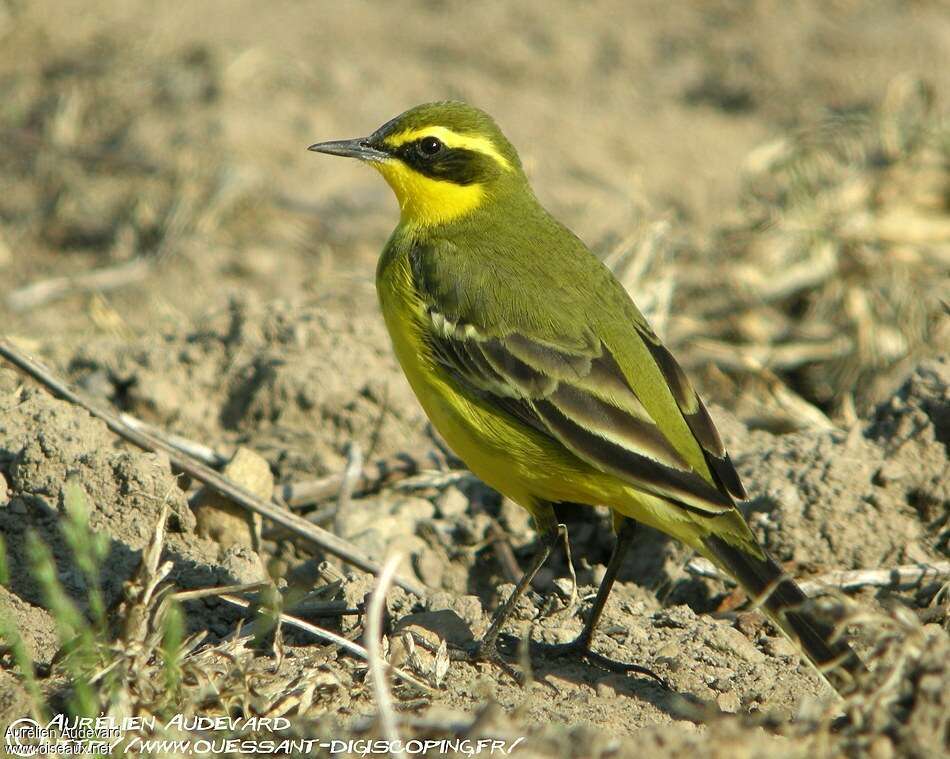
(436, 626)
(563, 635)
(243, 564)
(414, 510)
(780, 647)
(728, 702)
(723, 684)
(429, 568)
(677, 617)
(728, 640)
(222, 520)
(889, 471)
(669, 656)
(597, 574)
(516, 520)
(453, 503)
(881, 748)
(469, 608)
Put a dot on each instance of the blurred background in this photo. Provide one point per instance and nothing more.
(770, 179)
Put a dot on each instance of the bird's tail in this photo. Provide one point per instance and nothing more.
(787, 605)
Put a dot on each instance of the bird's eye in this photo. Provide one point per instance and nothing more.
(429, 146)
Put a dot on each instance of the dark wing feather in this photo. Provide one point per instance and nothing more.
(580, 398)
(696, 416)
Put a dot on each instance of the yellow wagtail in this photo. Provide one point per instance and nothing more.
(534, 364)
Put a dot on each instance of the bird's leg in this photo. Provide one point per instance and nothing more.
(581, 645)
(487, 649)
(625, 535)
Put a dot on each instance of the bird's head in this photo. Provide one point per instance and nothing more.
(442, 160)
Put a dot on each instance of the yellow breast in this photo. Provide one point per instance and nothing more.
(510, 456)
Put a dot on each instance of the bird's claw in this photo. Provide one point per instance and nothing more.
(580, 648)
(487, 652)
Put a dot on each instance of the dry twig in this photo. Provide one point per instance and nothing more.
(373, 638)
(199, 451)
(351, 474)
(371, 477)
(901, 577)
(331, 637)
(97, 280)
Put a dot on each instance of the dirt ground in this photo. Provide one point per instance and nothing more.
(770, 180)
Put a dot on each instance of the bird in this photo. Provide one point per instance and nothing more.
(535, 366)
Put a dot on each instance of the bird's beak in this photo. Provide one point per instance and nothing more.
(358, 148)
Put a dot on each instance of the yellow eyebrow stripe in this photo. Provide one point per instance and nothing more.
(450, 139)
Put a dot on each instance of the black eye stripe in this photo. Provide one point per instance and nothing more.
(458, 165)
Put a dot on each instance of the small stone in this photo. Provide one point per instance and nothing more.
(728, 702)
(439, 600)
(429, 567)
(516, 520)
(751, 623)
(881, 748)
(444, 625)
(469, 608)
(412, 510)
(565, 586)
(676, 617)
(399, 652)
(890, 471)
(780, 647)
(682, 724)
(669, 656)
(223, 521)
(722, 684)
(730, 641)
(366, 514)
(355, 589)
(525, 610)
(635, 637)
(597, 574)
(243, 564)
(453, 503)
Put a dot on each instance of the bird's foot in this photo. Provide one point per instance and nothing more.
(486, 651)
(580, 648)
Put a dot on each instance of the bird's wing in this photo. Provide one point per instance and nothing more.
(573, 390)
(691, 407)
